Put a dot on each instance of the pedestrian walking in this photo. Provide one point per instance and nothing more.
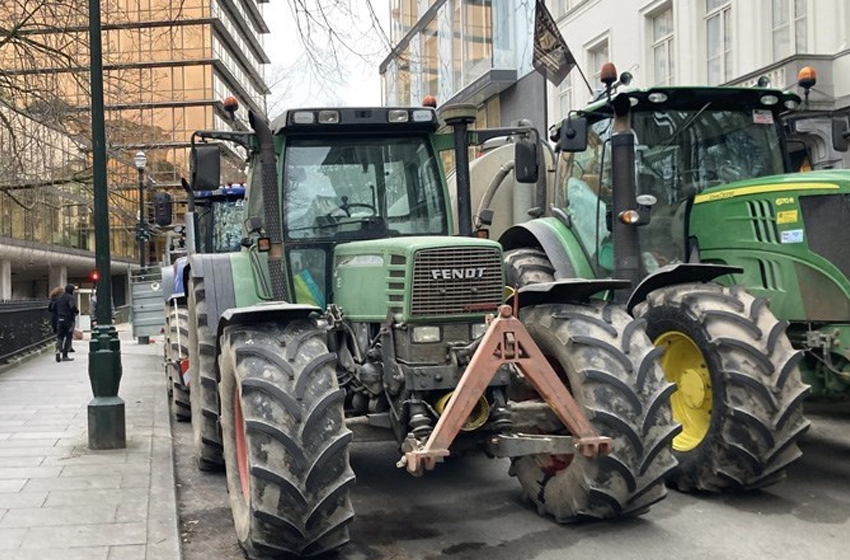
(66, 311)
(55, 293)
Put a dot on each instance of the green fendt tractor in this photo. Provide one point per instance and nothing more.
(689, 179)
(354, 314)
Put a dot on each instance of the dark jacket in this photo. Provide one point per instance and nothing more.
(66, 305)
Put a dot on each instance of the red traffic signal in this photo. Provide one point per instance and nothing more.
(94, 276)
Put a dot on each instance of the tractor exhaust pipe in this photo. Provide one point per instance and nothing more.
(271, 204)
(459, 117)
(627, 261)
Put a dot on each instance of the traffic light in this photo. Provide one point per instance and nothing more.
(162, 209)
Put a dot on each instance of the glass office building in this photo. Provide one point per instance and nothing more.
(465, 51)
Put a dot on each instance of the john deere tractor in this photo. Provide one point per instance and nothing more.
(355, 313)
(680, 190)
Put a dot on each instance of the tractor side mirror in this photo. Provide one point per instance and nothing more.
(162, 209)
(525, 161)
(573, 134)
(206, 167)
(839, 135)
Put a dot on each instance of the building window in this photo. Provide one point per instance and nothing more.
(565, 98)
(786, 24)
(662, 46)
(597, 55)
(718, 20)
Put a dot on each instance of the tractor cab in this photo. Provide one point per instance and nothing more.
(353, 175)
(687, 141)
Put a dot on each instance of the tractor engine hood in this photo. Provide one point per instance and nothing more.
(418, 279)
(789, 233)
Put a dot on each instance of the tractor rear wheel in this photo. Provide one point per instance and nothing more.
(739, 395)
(203, 392)
(609, 366)
(178, 342)
(285, 440)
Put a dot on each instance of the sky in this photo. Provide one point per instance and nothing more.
(289, 75)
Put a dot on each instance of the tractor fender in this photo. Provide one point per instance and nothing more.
(680, 273)
(167, 283)
(555, 239)
(534, 233)
(217, 273)
(574, 290)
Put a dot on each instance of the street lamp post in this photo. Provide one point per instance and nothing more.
(106, 420)
(141, 162)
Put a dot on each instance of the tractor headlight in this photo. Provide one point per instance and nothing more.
(478, 330)
(426, 334)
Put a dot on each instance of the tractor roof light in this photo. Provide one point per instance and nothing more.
(807, 77)
(231, 104)
(328, 117)
(791, 104)
(303, 117)
(769, 100)
(398, 116)
(423, 115)
(657, 97)
(608, 74)
(629, 217)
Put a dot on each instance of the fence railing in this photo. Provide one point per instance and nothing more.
(24, 325)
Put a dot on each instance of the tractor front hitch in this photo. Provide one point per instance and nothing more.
(506, 342)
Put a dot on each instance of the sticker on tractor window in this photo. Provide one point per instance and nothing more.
(762, 116)
(787, 217)
(792, 236)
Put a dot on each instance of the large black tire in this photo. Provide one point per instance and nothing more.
(528, 265)
(610, 368)
(741, 399)
(178, 342)
(285, 440)
(206, 434)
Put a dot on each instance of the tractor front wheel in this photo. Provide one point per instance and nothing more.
(285, 440)
(609, 366)
(739, 396)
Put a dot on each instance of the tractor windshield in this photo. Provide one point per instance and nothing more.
(679, 153)
(357, 188)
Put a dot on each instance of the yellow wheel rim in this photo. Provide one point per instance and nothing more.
(684, 365)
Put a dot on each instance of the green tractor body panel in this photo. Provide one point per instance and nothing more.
(786, 234)
(418, 279)
(245, 268)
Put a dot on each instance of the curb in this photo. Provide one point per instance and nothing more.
(163, 541)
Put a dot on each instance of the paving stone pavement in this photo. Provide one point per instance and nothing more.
(61, 500)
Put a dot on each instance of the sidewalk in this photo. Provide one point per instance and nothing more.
(59, 500)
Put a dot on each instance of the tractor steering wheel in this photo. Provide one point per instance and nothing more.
(346, 207)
